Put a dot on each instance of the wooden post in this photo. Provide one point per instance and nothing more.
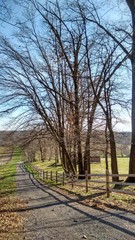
(72, 180)
(107, 183)
(43, 174)
(46, 175)
(51, 176)
(86, 178)
(63, 180)
(56, 176)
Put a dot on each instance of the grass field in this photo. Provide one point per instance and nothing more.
(122, 166)
(95, 167)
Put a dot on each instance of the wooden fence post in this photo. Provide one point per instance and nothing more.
(63, 179)
(72, 180)
(51, 175)
(56, 176)
(107, 183)
(86, 178)
(38, 173)
(43, 174)
(46, 175)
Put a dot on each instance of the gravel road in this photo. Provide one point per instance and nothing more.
(52, 215)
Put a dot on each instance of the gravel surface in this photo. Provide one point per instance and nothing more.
(52, 215)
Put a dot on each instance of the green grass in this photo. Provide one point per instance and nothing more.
(48, 166)
(30, 169)
(7, 174)
(123, 164)
(95, 168)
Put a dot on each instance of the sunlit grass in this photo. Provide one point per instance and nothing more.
(7, 174)
(98, 168)
(48, 166)
(123, 164)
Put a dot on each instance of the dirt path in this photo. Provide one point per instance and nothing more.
(52, 215)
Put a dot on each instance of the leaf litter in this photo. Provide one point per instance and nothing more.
(11, 222)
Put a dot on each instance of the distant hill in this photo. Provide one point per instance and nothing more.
(9, 138)
(6, 138)
(123, 137)
(123, 140)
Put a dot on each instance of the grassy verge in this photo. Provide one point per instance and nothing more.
(10, 221)
(48, 166)
(30, 168)
(33, 169)
(7, 174)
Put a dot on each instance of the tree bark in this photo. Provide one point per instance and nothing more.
(91, 114)
(114, 165)
(131, 5)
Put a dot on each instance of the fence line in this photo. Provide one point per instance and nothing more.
(74, 180)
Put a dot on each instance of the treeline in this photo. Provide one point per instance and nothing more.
(41, 146)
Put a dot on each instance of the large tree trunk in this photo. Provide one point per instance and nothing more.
(114, 165)
(75, 157)
(63, 161)
(67, 159)
(87, 152)
(79, 148)
(131, 5)
(77, 131)
(91, 114)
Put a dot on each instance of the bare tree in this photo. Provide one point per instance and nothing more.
(111, 63)
(56, 74)
(122, 36)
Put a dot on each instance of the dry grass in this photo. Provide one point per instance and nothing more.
(114, 202)
(100, 201)
(5, 150)
(11, 222)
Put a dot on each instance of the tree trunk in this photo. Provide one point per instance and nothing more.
(63, 161)
(131, 5)
(79, 148)
(66, 156)
(75, 157)
(77, 131)
(42, 153)
(114, 165)
(56, 155)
